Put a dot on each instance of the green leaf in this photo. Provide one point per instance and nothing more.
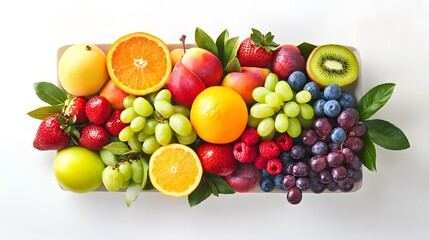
(233, 66)
(220, 43)
(374, 100)
(44, 112)
(132, 192)
(306, 48)
(203, 40)
(231, 48)
(50, 93)
(145, 164)
(212, 187)
(222, 186)
(368, 153)
(386, 135)
(201, 193)
(117, 148)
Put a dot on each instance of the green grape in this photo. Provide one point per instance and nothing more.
(269, 136)
(108, 157)
(125, 170)
(164, 94)
(291, 109)
(303, 96)
(164, 108)
(281, 122)
(273, 100)
(284, 91)
(125, 184)
(150, 145)
(149, 127)
(137, 170)
(265, 127)
(151, 97)
(142, 107)
(163, 133)
(180, 124)
(253, 122)
(112, 179)
(259, 94)
(125, 134)
(305, 123)
(128, 101)
(185, 111)
(261, 110)
(294, 129)
(128, 114)
(186, 140)
(270, 81)
(138, 123)
(306, 111)
(135, 144)
(141, 136)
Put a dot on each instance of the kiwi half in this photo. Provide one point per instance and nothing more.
(332, 63)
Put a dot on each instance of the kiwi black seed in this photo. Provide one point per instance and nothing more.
(332, 63)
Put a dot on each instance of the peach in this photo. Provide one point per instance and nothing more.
(245, 81)
(176, 55)
(113, 94)
(205, 64)
(287, 59)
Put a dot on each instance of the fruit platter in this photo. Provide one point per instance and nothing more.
(219, 116)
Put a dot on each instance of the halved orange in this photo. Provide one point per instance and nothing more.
(175, 170)
(139, 63)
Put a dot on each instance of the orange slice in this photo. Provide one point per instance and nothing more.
(175, 170)
(139, 63)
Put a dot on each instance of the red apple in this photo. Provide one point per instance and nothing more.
(245, 178)
(245, 81)
(113, 94)
(287, 59)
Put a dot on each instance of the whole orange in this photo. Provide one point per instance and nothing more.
(219, 115)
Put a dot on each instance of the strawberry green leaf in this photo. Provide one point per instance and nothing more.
(386, 135)
(222, 186)
(44, 112)
(50, 93)
(203, 40)
(231, 48)
(233, 66)
(368, 153)
(133, 191)
(201, 193)
(220, 43)
(306, 48)
(374, 100)
(117, 148)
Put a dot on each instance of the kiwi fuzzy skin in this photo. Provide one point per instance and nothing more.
(317, 80)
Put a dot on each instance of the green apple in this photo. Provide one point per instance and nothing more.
(78, 169)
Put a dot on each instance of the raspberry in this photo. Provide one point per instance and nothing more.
(269, 149)
(244, 152)
(274, 166)
(285, 142)
(250, 136)
(260, 162)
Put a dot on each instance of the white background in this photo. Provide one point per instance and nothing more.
(392, 37)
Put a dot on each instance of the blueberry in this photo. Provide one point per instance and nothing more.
(297, 80)
(317, 186)
(318, 107)
(278, 180)
(297, 152)
(332, 91)
(347, 100)
(332, 108)
(286, 157)
(303, 183)
(265, 173)
(266, 184)
(313, 88)
(338, 135)
(319, 148)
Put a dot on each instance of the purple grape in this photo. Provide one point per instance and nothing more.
(339, 173)
(297, 152)
(303, 183)
(300, 169)
(318, 163)
(356, 163)
(287, 169)
(288, 182)
(347, 185)
(319, 148)
(325, 176)
(354, 143)
(294, 196)
(348, 155)
(347, 118)
(317, 186)
(309, 137)
(335, 146)
(332, 186)
(358, 130)
(335, 158)
(357, 175)
(323, 126)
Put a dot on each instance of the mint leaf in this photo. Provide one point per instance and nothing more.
(220, 43)
(203, 40)
(44, 112)
(117, 148)
(50, 93)
(368, 153)
(306, 48)
(133, 191)
(201, 193)
(386, 135)
(222, 186)
(374, 100)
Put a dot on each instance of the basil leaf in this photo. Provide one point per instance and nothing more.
(374, 100)
(50, 93)
(386, 135)
(44, 112)
(203, 40)
(231, 48)
(132, 192)
(220, 43)
(368, 153)
(306, 48)
(222, 186)
(201, 193)
(233, 66)
(117, 148)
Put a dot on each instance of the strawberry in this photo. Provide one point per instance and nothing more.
(217, 158)
(76, 107)
(114, 124)
(51, 135)
(256, 50)
(98, 109)
(94, 137)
